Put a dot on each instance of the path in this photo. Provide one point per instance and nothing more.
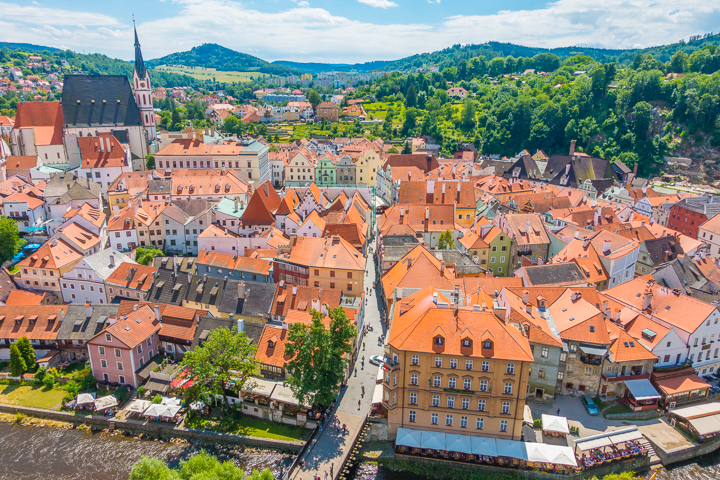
(330, 448)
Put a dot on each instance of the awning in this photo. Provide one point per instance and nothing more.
(593, 349)
(595, 443)
(138, 406)
(377, 394)
(706, 425)
(432, 440)
(537, 452)
(407, 437)
(85, 398)
(484, 446)
(160, 410)
(380, 375)
(511, 449)
(171, 401)
(259, 386)
(551, 423)
(105, 402)
(562, 455)
(642, 389)
(626, 437)
(281, 393)
(458, 443)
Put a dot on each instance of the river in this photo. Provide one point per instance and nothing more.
(43, 453)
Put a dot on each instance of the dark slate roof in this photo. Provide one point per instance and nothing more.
(258, 299)
(169, 288)
(76, 325)
(706, 205)
(501, 166)
(68, 183)
(399, 240)
(463, 263)
(208, 324)
(524, 168)
(557, 273)
(663, 249)
(99, 100)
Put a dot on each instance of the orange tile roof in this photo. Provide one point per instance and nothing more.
(195, 147)
(586, 258)
(16, 162)
(274, 355)
(333, 252)
(287, 205)
(234, 262)
(135, 329)
(47, 116)
(578, 319)
(518, 224)
(350, 232)
(624, 348)
(81, 236)
(18, 197)
(23, 297)
(54, 254)
(262, 206)
(417, 269)
(316, 220)
(89, 213)
(304, 298)
(141, 279)
(36, 322)
(679, 384)
(419, 321)
(101, 151)
(635, 330)
(441, 217)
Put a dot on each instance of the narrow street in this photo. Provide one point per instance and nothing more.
(329, 450)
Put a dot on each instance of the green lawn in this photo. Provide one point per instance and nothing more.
(31, 396)
(619, 408)
(210, 73)
(13, 269)
(600, 404)
(251, 426)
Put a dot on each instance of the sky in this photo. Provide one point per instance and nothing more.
(349, 31)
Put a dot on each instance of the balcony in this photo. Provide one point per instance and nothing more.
(619, 377)
(591, 360)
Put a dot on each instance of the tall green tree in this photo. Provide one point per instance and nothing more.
(318, 354)
(9, 238)
(314, 99)
(445, 241)
(225, 361)
(17, 363)
(27, 351)
(411, 96)
(201, 466)
(145, 255)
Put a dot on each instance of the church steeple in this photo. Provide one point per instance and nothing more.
(139, 63)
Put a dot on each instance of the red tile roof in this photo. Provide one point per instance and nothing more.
(135, 329)
(275, 355)
(134, 276)
(36, 322)
(101, 151)
(234, 262)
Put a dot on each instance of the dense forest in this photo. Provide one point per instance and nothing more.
(211, 55)
(633, 113)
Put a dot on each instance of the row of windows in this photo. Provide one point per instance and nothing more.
(484, 366)
(37, 284)
(202, 164)
(449, 421)
(35, 272)
(82, 287)
(467, 384)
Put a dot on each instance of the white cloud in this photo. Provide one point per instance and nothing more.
(304, 33)
(379, 3)
(433, 1)
(303, 4)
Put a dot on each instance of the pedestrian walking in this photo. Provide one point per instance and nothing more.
(325, 474)
(558, 412)
(320, 424)
(359, 402)
(332, 465)
(363, 346)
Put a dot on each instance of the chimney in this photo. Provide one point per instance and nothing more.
(427, 217)
(158, 317)
(606, 309)
(457, 294)
(577, 233)
(435, 298)
(237, 204)
(241, 290)
(644, 189)
(115, 209)
(616, 317)
(409, 263)
(442, 268)
(572, 148)
(241, 325)
(526, 296)
(112, 261)
(528, 308)
(402, 214)
(135, 307)
(647, 298)
(527, 227)
(606, 247)
(586, 242)
(88, 310)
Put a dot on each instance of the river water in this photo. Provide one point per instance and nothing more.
(32, 453)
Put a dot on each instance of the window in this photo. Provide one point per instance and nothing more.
(413, 379)
(467, 383)
(436, 400)
(510, 370)
(413, 399)
(448, 420)
(545, 352)
(101, 350)
(434, 419)
(393, 399)
(332, 285)
(666, 359)
(411, 415)
(438, 362)
(103, 363)
(563, 356)
(468, 364)
(541, 374)
(453, 363)
(139, 349)
(463, 422)
(483, 385)
(485, 366)
(117, 353)
(560, 375)
(480, 423)
(466, 404)
(119, 366)
(508, 387)
(394, 379)
(108, 337)
(452, 381)
(481, 405)
(573, 348)
(415, 360)
(149, 342)
(436, 381)
(451, 402)
(503, 425)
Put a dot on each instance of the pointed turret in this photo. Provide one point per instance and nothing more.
(143, 91)
(139, 63)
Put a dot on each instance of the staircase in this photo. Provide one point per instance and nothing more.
(654, 459)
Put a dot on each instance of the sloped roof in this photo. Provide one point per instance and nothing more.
(624, 347)
(137, 327)
(555, 274)
(36, 322)
(275, 355)
(99, 100)
(53, 254)
(333, 252)
(46, 117)
(101, 152)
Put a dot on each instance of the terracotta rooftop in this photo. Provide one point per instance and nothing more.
(54, 254)
(36, 322)
(234, 262)
(135, 329)
(134, 276)
(271, 346)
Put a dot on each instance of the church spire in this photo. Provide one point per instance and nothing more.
(139, 63)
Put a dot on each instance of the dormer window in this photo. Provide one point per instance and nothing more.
(466, 342)
(487, 344)
(438, 340)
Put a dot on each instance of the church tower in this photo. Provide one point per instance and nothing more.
(143, 91)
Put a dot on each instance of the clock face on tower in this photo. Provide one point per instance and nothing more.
(142, 84)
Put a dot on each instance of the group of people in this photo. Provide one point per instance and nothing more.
(598, 456)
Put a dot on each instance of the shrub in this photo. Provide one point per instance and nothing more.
(48, 380)
(122, 394)
(72, 388)
(537, 423)
(17, 363)
(157, 399)
(19, 417)
(141, 391)
(40, 375)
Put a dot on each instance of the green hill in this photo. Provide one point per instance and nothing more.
(326, 67)
(27, 47)
(211, 55)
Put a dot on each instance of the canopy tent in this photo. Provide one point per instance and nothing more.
(408, 437)
(551, 423)
(595, 443)
(160, 410)
(608, 438)
(138, 406)
(706, 425)
(85, 398)
(484, 446)
(281, 393)
(171, 401)
(103, 403)
(259, 386)
(593, 349)
(458, 443)
(511, 449)
(379, 378)
(377, 394)
(199, 405)
(626, 437)
(545, 453)
(432, 440)
(642, 389)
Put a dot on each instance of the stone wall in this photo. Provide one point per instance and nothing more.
(155, 429)
(680, 454)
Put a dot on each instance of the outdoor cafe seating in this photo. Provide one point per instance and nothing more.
(610, 447)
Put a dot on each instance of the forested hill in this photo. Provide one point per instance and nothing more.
(27, 47)
(327, 67)
(211, 55)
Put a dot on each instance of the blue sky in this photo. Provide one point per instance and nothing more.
(349, 31)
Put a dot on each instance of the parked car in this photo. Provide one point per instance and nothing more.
(377, 359)
(590, 405)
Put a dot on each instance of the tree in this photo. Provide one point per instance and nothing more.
(314, 99)
(318, 356)
(225, 361)
(201, 466)
(145, 255)
(406, 148)
(468, 114)
(151, 468)
(445, 241)
(9, 238)
(150, 161)
(17, 363)
(411, 96)
(678, 62)
(27, 351)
